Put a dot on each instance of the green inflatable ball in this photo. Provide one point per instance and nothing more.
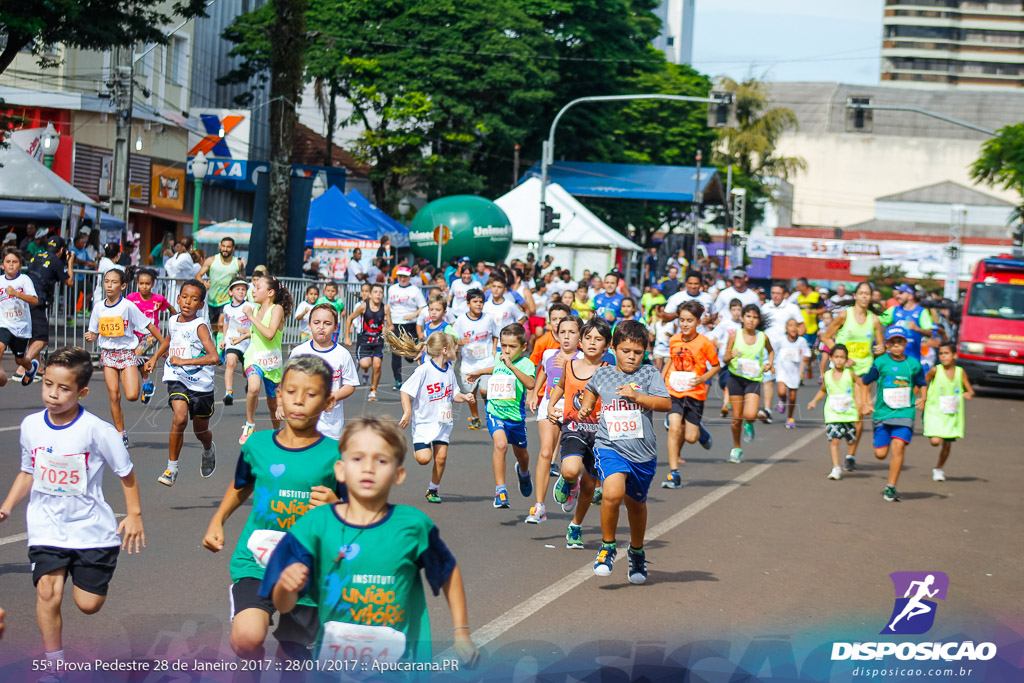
(479, 229)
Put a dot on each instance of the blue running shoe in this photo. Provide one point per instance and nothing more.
(31, 374)
(605, 560)
(704, 439)
(525, 482)
(147, 391)
(748, 432)
(561, 490)
(574, 537)
(637, 566)
(501, 499)
(673, 481)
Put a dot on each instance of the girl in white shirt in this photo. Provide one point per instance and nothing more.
(662, 333)
(114, 322)
(17, 294)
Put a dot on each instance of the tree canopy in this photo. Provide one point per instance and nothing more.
(1001, 163)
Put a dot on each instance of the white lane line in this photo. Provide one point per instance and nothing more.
(24, 537)
(10, 429)
(485, 634)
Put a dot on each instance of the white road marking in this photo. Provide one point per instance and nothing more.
(10, 429)
(493, 630)
(24, 537)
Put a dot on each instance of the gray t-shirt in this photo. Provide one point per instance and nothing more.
(646, 380)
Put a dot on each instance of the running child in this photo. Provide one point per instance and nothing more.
(436, 320)
(744, 354)
(357, 324)
(478, 342)
(303, 309)
(188, 374)
(549, 373)
(263, 359)
(71, 528)
(236, 328)
(369, 341)
(547, 341)
(791, 358)
(151, 305)
(427, 399)
(578, 478)
(628, 310)
(841, 414)
(898, 376)
(347, 548)
(692, 362)
(323, 323)
(511, 376)
(501, 308)
(824, 321)
(582, 304)
(719, 334)
(625, 446)
(17, 296)
(948, 386)
(114, 321)
(661, 333)
(288, 473)
(331, 297)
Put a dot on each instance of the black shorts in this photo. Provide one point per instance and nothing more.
(369, 350)
(17, 345)
(40, 324)
(299, 626)
(580, 444)
(723, 376)
(690, 408)
(235, 352)
(741, 386)
(200, 404)
(214, 312)
(90, 568)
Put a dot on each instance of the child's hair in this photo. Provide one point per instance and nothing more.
(74, 358)
(376, 285)
(17, 252)
(313, 366)
(558, 306)
(198, 284)
(570, 320)
(111, 250)
(281, 295)
(438, 298)
(762, 318)
(146, 271)
(312, 288)
(631, 330)
(330, 283)
(325, 307)
(695, 308)
(839, 347)
(735, 302)
(948, 345)
(474, 293)
(365, 284)
(599, 324)
(384, 427)
(515, 330)
(126, 274)
(497, 277)
(630, 300)
(691, 273)
(406, 346)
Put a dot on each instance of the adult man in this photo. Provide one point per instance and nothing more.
(670, 285)
(841, 300)
(608, 303)
(28, 245)
(221, 270)
(405, 301)
(482, 274)
(738, 290)
(356, 270)
(651, 266)
(307, 259)
(563, 284)
(46, 269)
(692, 292)
(912, 317)
(779, 312)
(180, 267)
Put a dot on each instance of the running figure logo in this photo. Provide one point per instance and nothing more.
(914, 613)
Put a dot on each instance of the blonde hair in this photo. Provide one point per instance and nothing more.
(404, 345)
(438, 298)
(384, 427)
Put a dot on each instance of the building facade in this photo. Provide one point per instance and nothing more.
(676, 38)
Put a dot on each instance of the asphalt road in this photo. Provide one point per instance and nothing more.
(754, 568)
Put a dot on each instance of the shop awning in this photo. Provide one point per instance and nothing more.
(175, 215)
(45, 212)
(634, 181)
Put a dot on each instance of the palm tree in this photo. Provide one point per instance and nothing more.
(1001, 164)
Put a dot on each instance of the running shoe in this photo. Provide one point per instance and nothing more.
(124, 438)
(781, 407)
(597, 496)
(168, 477)
(851, 463)
(605, 560)
(538, 514)
(397, 386)
(673, 481)
(525, 482)
(209, 462)
(704, 439)
(891, 495)
(637, 566)
(147, 391)
(52, 676)
(30, 376)
(501, 499)
(366, 378)
(764, 416)
(748, 432)
(562, 490)
(736, 455)
(555, 469)
(724, 412)
(938, 475)
(372, 396)
(836, 474)
(247, 431)
(790, 423)
(229, 399)
(474, 423)
(574, 537)
(574, 497)
(433, 496)
(666, 423)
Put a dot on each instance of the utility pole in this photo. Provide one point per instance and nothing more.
(696, 212)
(954, 249)
(515, 167)
(122, 91)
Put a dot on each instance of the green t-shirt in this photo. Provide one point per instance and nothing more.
(649, 301)
(282, 480)
(339, 304)
(896, 381)
(368, 575)
(511, 409)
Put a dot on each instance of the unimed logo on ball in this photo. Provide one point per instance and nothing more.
(914, 610)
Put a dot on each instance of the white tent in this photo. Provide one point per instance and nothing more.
(582, 240)
(22, 177)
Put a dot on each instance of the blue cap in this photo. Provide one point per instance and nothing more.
(906, 289)
(894, 331)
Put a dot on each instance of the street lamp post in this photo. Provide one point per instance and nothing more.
(199, 166)
(51, 139)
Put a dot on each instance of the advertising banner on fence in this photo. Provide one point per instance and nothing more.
(850, 250)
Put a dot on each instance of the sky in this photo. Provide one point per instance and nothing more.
(790, 40)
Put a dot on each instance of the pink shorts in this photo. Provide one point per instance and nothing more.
(536, 324)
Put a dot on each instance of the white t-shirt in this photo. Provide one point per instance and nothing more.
(779, 316)
(720, 334)
(355, 269)
(479, 334)
(432, 389)
(542, 300)
(747, 296)
(404, 302)
(15, 314)
(61, 512)
(458, 290)
(787, 360)
(345, 373)
(185, 343)
(424, 316)
(119, 324)
(504, 313)
(559, 286)
(682, 296)
(303, 308)
(662, 334)
(238, 324)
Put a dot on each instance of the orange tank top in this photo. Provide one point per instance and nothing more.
(573, 387)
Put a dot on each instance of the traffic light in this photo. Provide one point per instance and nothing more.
(550, 220)
(859, 118)
(722, 112)
(1018, 235)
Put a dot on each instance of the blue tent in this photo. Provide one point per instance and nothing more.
(633, 181)
(332, 216)
(44, 212)
(398, 233)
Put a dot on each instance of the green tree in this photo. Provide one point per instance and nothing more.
(884, 278)
(1001, 164)
(88, 24)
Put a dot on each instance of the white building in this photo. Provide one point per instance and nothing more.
(676, 38)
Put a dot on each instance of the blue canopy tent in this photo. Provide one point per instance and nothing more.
(44, 212)
(634, 181)
(398, 233)
(331, 216)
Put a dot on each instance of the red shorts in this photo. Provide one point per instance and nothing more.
(536, 324)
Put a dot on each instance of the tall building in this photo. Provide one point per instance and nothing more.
(946, 44)
(676, 38)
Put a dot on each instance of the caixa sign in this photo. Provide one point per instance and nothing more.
(228, 169)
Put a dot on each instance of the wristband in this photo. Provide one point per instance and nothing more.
(460, 627)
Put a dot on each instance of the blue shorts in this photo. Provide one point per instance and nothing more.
(884, 434)
(515, 432)
(268, 386)
(812, 340)
(428, 446)
(639, 475)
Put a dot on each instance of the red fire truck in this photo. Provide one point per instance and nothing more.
(991, 338)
